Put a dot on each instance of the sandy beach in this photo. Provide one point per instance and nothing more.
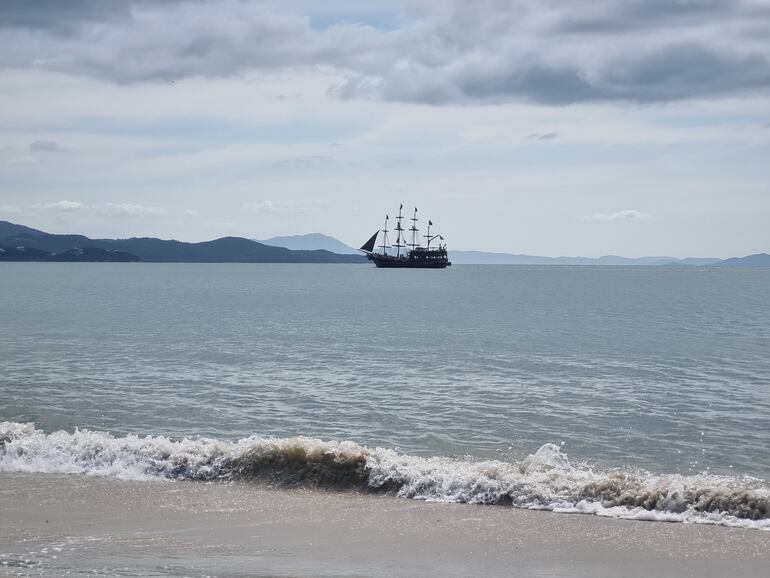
(74, 525)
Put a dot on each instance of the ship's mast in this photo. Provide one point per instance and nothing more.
(399, 234)
(385, 236)
(430, 237)
(414, 231)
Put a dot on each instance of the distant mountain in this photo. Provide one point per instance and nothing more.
(224, 250)
(485, 258)
(20, 243)
(311, 242)
(699, 261)
(758, 260)
(10, 229)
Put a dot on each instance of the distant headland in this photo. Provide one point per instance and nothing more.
(21, 243)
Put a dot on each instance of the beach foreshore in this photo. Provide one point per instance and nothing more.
(76, 525)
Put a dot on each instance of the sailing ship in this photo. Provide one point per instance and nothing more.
(413, 255)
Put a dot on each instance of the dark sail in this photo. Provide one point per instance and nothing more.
(368, 247)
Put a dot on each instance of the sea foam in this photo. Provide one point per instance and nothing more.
(545, 480)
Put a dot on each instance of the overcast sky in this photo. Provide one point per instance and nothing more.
(552, 128)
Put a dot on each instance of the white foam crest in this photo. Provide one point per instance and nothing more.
(23, 448)
(27, 449)
(544, 480)
(547, 480)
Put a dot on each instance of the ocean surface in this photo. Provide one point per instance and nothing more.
(639, 392)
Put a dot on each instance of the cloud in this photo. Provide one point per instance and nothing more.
(10, 210)
(305, 161)
(625, 215)
(490, 51)
(191, 213)
(543, 136)
(221, 225)
(129, 210)
(46, 146)
(25, 160)
(61, 18)
(61, 206)
(286, 207)
(106, 210)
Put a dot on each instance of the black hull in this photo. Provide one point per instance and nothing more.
(390, 262)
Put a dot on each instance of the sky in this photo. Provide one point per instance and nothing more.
(596, 127)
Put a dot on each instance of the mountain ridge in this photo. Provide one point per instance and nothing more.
(492, 258)
(150, 249)
(500, 258)
(756, 260)
(8, 229)
(240, 249)
(310, 241)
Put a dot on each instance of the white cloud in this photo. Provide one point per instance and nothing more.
(61, 206)
(10, 210)
(129, 210)
(305, 161)
(625, 215)
(191, 213)
(286, 207)
(25, 160)
(221, 225)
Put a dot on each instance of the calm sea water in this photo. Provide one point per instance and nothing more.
(666, 369)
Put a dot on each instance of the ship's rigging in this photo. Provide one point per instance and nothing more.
(413, 255)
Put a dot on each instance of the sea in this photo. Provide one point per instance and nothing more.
(630, 392)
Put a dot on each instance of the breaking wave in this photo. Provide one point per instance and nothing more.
(544, 480)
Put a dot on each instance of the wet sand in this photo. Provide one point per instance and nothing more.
(58, 525)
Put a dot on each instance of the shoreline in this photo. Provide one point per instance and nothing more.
(54, 524)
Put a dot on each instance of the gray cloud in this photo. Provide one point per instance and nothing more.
(46, 146)
(614, 17)
(543, 136)
(57, 17)
(668, 73)
(488, 51)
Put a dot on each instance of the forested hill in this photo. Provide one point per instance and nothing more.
(23, 240)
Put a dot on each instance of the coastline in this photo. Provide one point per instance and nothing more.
(80, 525)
